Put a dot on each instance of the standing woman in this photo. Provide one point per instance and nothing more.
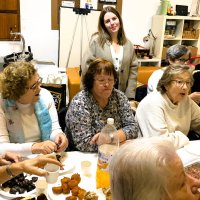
(110, 43)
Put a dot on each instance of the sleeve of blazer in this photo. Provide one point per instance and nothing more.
(132, 79)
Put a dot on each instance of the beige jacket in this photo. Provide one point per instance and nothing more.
(129, 68)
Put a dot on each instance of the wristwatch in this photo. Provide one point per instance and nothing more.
(111, 138)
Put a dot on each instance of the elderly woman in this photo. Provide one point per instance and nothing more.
(170, 112)
(176, 54)
(111, 43)
(90, 108)
(150, 168)
(28, 117)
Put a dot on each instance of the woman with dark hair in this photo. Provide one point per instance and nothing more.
(90, 108)
(110, 43)
(170, 112)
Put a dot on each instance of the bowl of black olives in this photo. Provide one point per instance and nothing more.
(21, 184)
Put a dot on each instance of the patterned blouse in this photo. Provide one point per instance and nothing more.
(85, 118)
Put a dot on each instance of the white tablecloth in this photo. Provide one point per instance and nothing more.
(89, 183)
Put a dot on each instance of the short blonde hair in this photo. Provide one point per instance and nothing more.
(14, 79)
(139, 169)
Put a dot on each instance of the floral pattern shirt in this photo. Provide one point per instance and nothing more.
(85, 118)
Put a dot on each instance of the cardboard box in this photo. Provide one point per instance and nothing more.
(193, 50)
(164, 52)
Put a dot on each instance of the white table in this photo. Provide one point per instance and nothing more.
(89, 183)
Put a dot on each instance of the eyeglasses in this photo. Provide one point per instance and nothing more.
(180, 83)
(183, 60)
(36, 84)
(103, 82)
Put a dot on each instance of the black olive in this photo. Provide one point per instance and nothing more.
(26, 182)
(33, 187)
(21, 178)
(4, 185)
(58, 157)
(11, 184)
(42, 197)
(21, 190)
(34, 178)
(29, 188)
(13, 190)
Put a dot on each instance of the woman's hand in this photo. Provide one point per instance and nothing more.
(61, 141)
(33, 166)
(195, 184)
(94, 139)
(10, 157)
(97, 139)
(45, 147)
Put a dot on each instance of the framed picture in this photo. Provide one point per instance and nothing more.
(107, 1)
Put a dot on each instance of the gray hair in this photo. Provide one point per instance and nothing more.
(176, 51)
(139, 169)
(169, 74)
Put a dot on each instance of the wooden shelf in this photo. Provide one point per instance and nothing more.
(159, 24)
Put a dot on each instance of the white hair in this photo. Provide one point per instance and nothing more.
(139, 169)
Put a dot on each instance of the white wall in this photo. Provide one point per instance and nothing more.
(36, 29)
(137, 16)
(36, 26)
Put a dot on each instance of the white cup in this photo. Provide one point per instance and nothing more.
(86, 167)
(53, 172)
(41, 186)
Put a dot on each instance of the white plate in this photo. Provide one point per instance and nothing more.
(193, 147)
(27, 194)
(68, 162)
(68, 166)
(83, 184)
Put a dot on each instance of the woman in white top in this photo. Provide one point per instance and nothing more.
(28, 117)
(110, 43)
(176, 54)
(170, 112)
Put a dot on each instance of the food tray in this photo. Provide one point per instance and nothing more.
(193, 169)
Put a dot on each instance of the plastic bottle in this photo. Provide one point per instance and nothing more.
(109, 144)
(163, 7)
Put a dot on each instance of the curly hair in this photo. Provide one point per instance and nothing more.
(98, 66)
(170, 72)
(103, 32)
(14, 79)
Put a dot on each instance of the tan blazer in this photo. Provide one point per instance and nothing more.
(128, 71)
